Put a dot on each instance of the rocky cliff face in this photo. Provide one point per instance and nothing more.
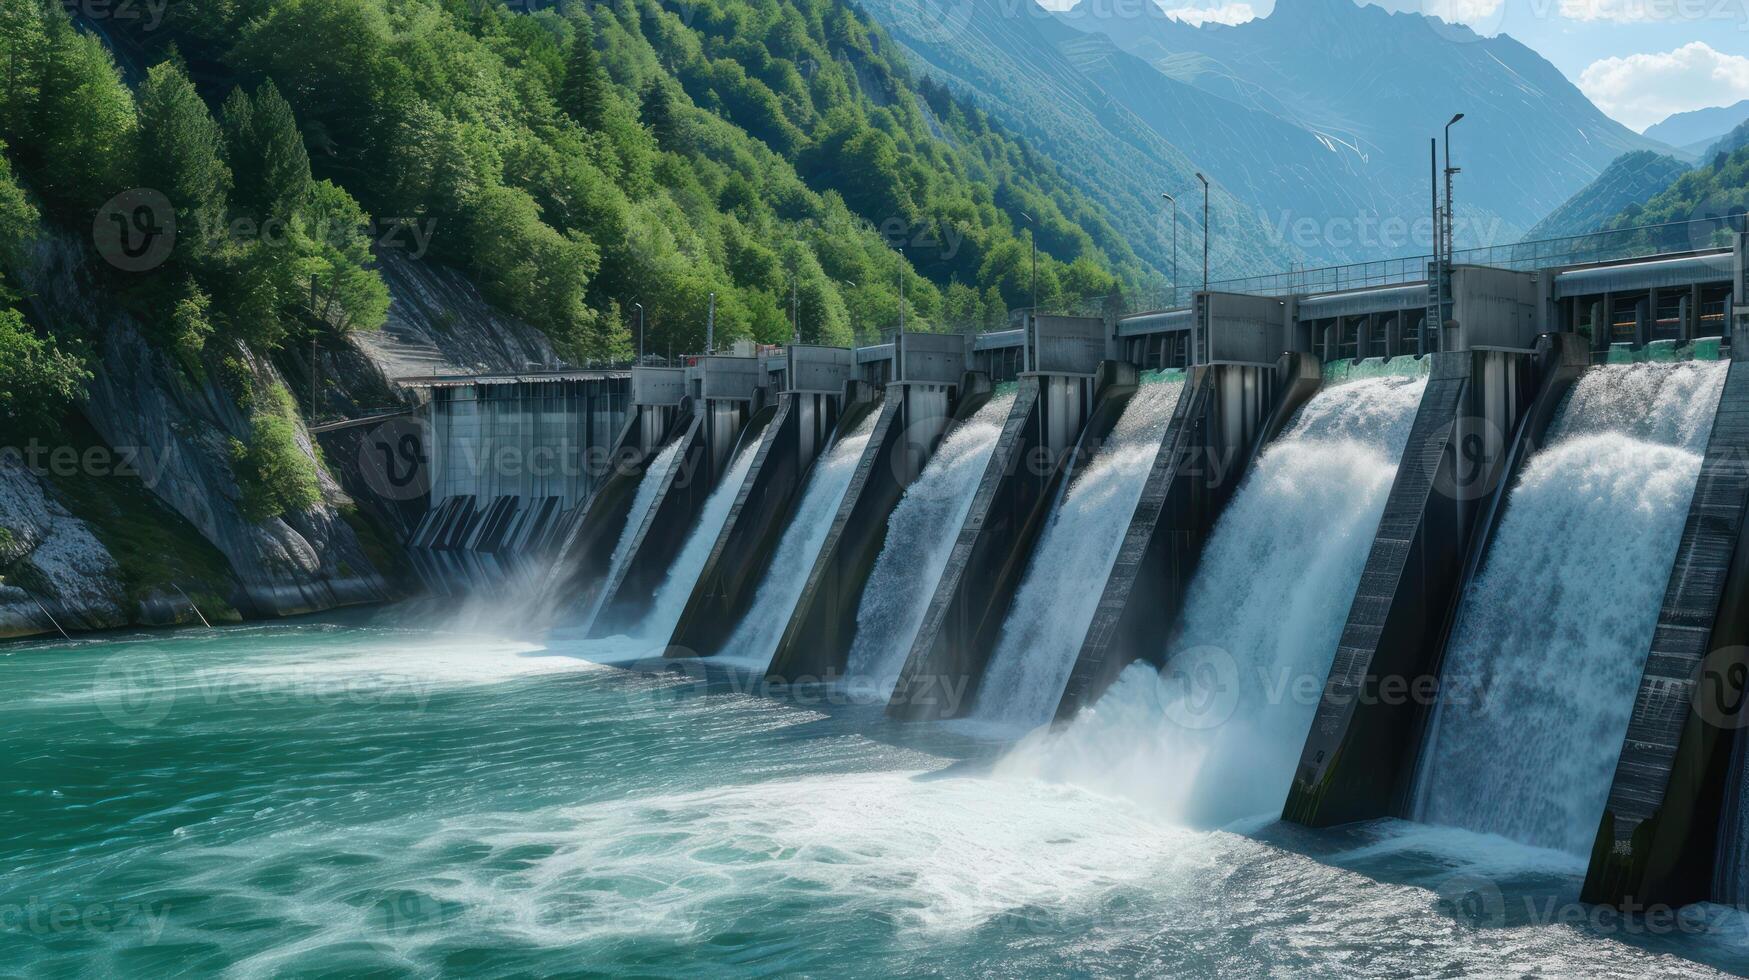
(176, 431)
(172, 431)
(52, 567)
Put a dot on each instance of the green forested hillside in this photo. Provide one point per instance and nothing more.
(1699, 209)
(574, 161)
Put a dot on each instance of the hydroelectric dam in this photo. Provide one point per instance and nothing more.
(1463, 548)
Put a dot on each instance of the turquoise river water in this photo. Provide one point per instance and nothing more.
(355, 795)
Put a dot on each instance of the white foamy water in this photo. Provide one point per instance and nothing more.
(757, 636)
(1215, 736)
(920, 536)
(1545, 659)
(1056, 602)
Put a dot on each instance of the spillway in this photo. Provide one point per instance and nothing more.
(676, 588)
(1055, 603)
(755, 639)
(920, 535)
(649, 490)
(1215, 735)
(1551, 639)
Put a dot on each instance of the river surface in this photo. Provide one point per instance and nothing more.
(353, 795)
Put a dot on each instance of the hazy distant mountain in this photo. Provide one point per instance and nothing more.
(1010, 60)
(1633, 179)
(1372, 86)
(1700, 126)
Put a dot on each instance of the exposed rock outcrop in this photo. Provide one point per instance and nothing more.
(180, 430)
(51, 565)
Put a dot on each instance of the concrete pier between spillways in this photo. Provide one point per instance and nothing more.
(1659, 840)
(660, 412)
(1489, 400)
(1241, 390)
(933, 392)
(821, 398)
(726, 404)
(1067, 383)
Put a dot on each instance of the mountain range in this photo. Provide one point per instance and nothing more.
(1698, 129)
(1314, 120)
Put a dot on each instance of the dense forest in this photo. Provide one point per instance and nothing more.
(576, 162)
(1699, 209)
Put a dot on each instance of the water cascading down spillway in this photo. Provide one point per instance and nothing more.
(1484, 413)
(931, 392)
(1068, 385)
(596, 545)
(1242, 390)
(1673, 829)
(919, 536)
(1547, 651)
(820, 396)
(1203, 737)
(727, 411)
(1043, 631)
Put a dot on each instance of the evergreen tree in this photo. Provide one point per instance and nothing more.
(84, 123)
(583, 95)
(658, 115)
(276, 181)
(180, 153)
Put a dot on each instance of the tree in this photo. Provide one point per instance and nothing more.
(583, 95)
(268, 159)
(82, 135)
(345, 293)
(180, 151)
(660, 116)
(37, 378)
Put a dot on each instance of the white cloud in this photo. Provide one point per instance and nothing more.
(1642, 89)
(1230, 13)
(1652, 11)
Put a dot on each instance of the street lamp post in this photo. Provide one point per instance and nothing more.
(1173, 201)
(1032, 241)
(1450, 211)
(901, 289)
(640, 307)
(1205, 230)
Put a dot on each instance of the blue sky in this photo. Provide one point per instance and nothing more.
(1639, 60)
